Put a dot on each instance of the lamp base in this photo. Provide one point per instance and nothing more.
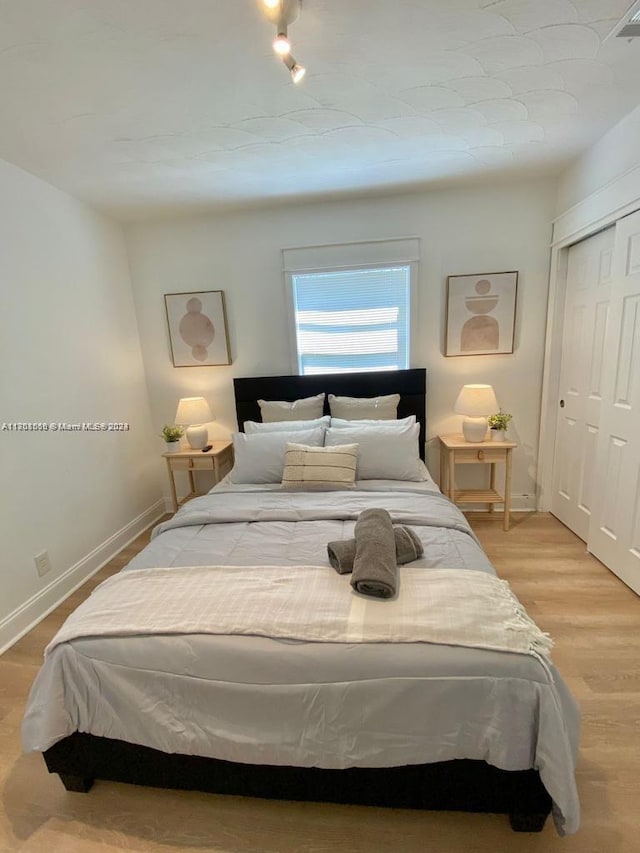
(474, 429)
(197, 436)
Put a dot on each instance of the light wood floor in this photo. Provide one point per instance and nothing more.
(595, 621)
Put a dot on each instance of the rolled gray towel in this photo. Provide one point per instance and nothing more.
(374, 567)
(343, 551)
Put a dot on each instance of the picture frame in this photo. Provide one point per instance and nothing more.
(481, 313)
(197, 323)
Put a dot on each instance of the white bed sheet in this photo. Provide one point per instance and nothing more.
(262, 700)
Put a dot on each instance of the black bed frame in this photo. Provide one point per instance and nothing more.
(461, 785)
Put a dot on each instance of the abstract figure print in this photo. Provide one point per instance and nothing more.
(197, 325)
(196, 329)
(481, 314)
(482, 331)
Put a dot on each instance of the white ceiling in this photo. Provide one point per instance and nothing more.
(144, 107)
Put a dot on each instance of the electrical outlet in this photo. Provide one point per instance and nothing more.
(42, 562)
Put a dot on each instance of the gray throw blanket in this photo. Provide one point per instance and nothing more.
(342, 552)
(374, 567)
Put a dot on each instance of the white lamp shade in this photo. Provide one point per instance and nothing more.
(193, 410)
(476, 401)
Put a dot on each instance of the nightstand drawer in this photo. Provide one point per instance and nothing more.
(202, 464)
(482, 454)
(192, 464)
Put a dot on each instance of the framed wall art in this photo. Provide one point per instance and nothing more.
(197, 328)
(481, 312)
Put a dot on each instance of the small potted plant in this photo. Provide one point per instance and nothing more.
(172, 435)
(498, 424)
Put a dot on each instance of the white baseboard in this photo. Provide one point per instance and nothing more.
(27, 616)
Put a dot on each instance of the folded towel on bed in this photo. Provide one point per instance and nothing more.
(343, 551)
(375, 571)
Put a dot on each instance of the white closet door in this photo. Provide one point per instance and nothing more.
(614, 535)
(586, 317)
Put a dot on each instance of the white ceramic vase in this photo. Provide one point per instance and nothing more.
(172, 446)
(497, 434)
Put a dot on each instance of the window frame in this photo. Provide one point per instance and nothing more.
(377, 255)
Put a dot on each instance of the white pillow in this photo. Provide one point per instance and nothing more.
(320, 468)
(260, 458)
(383, 453)
(252, 427)
(356, 408)
(298, 410)
(341, 423)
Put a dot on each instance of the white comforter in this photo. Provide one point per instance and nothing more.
(274, 700)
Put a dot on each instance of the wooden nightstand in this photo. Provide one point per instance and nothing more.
(454, 450)
(219, 460)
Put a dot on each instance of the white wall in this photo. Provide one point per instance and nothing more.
(478, 229)
(70, 352)
(616, 154)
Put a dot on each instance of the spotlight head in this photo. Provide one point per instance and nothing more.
(282, 45)
(298, 72)
(271, 4)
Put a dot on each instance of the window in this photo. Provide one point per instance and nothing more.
(352, 320)
(352, 305)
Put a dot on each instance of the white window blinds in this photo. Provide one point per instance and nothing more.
(352, 320)
(350, 316)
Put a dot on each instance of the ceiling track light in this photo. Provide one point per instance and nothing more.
(283, 13)
(281, 43)
(282, 10)
(297, 71)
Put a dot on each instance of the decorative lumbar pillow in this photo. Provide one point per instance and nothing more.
(320, 467)
(298, 410)
(357, 408)
(383, 453)
(341, 423)
(252, 427)
(260, 458)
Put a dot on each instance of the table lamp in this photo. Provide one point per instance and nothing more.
(476, 402)
(194, 413)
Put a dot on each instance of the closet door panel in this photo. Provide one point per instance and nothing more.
(614, 533)
(586, 320)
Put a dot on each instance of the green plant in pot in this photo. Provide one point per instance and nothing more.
(172, 435)
(498, 424)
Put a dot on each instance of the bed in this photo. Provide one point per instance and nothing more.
(266, 711)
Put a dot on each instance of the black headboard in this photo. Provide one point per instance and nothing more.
(410, 384)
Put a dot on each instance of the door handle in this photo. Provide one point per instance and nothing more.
(562, 404)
